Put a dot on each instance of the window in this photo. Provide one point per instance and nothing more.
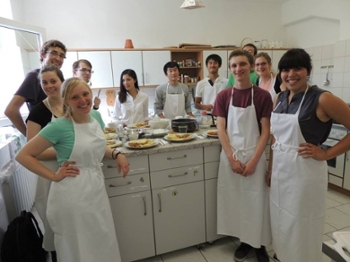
(19, 46)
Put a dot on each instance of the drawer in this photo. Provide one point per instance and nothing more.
(131, 184)
(176, 176)
(175, 159)
(335, 180)
(138, 165)
(212, 153)
(211, 170)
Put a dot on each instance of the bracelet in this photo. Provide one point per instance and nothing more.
(116, 155)
(113, 152)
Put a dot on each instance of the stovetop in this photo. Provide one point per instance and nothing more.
(338, 132)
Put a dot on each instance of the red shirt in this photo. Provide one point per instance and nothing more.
(243, 98)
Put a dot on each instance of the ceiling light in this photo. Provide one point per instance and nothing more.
(191, 4)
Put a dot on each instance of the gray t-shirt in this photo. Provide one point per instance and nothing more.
(161, 95)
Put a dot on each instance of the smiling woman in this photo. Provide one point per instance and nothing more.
(19, 45)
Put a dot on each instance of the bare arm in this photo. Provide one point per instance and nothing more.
(235, 164)
(27, 157)
(330, 107)
(121, 160)
(32, 130)
(12, 111)
(198, 105)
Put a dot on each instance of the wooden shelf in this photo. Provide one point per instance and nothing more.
(190, 67)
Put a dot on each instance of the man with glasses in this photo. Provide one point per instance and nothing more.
(83, 69)
(53, 52)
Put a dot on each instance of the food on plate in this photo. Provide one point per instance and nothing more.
(113, 143)
(141, 143)
(140, 124)
(212, 132)
(178, 136)
(110, 136)
(109, 130)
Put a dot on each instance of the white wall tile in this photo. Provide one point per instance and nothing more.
(346, 95)
(316, 64)
(337, 79)
(347, 50)
(346, 83)
(339, 49)
(338, 63)
(327, 52)
(336, 91)
(310, 51)
(347, 64)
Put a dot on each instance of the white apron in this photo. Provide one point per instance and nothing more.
(209, 93)
(298, 194)
(243, 208)
(78, 207)
(41, 195)
(174, 104)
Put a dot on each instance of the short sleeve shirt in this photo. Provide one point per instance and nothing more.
(31, 89)
(243, 98)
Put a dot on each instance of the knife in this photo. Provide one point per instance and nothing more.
(99, 92)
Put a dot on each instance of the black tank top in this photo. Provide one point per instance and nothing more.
(313, 129)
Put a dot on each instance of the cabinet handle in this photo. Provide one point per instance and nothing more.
(173, 158)
(127, 183)
(184, 174)
(160, 202)
(144, 206)
(131, 170)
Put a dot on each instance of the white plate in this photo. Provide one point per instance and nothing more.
(159, 132)
(208, 135)
(110, 136)
(142, 146)
(115, 144)
(180, 139)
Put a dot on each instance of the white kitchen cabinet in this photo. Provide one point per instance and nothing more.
(133, 219)
(179, 216)
(153, 63)
(224, 70)
(102, 67)
(67, 67)
(346, 183)
(122, 60)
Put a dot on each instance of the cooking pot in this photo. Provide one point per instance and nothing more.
(191, 124)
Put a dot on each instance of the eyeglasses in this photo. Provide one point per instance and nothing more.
(85, 70)
(55, 53)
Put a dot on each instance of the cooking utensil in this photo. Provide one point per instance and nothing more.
(99, 92)
(191, 124)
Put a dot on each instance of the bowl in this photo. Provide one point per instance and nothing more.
(159, 123)
(159, 132)
(191, 124)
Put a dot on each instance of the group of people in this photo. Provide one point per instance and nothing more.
(66, 146)
(290, 214)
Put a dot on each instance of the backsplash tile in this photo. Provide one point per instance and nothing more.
(339, 49)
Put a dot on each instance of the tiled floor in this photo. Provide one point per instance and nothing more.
(337, 219)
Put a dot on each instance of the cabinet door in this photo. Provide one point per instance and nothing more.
(122, 60)
(153, 63)
(224, 70)
(101, 65)
(276, 56)
(133, 222)
(67, 67)
(211, 209)
(347, 171)
(179, 216)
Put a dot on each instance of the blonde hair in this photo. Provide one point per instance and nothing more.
(67, 90)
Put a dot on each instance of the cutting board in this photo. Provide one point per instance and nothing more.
(342, 242)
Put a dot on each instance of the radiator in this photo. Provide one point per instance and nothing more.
(20, 184)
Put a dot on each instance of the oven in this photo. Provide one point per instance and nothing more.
(336, 165)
